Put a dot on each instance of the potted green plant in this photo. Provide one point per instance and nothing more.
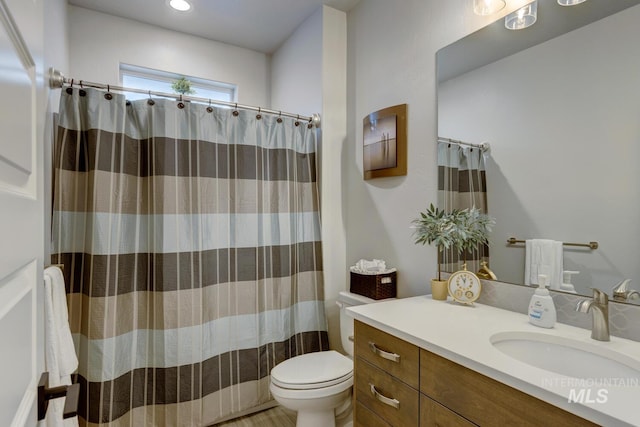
(438, 228)
(472, 228)
(182, 86)
(462, 230)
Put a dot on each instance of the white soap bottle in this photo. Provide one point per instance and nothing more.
(566, 281)
(542, 311)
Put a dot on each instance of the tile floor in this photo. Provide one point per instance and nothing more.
(274, 417)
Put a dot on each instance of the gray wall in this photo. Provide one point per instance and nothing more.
(99, 42)
(392, 47)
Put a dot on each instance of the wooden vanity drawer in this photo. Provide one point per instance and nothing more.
(391, 399)
(485, 401)
(391, 354)
(363, 417)
(433, 414)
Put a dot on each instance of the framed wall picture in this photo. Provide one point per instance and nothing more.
(384, 138)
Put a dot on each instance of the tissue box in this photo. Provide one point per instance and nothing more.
(375, 286)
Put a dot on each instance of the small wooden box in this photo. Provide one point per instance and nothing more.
(375, 286)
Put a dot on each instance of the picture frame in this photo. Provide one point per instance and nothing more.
(384, 142)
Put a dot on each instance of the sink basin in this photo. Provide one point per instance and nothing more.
(566, 356)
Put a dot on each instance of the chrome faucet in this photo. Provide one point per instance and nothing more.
(599, 307)
(622, 291)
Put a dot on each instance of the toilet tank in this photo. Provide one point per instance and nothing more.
(348, 299)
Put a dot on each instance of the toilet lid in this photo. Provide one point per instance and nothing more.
(312, 370)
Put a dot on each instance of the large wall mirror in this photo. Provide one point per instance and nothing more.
(559, 105)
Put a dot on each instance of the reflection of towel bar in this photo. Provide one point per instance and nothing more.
(72, 393)
(590, 245)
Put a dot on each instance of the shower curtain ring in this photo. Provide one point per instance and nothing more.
(259, 116)
(108, 95)
(209, 108)
(279, 120)
(297, 123)
(150, 101)
(235, 111)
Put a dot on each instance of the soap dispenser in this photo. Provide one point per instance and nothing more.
(542, 311)
(566, 285)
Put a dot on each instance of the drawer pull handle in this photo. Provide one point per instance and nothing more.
(384, 399)
(384, 354)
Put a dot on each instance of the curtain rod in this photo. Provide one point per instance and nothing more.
(57, 80)
(484, 146)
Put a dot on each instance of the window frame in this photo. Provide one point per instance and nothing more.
(169, 77)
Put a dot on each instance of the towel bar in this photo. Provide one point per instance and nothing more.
(590, 245)
(72, 393)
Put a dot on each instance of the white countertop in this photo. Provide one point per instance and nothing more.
(462, 334)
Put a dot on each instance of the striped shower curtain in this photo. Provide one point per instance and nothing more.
(190, 238)
(462, 184)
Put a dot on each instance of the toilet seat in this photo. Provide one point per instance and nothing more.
(313, 371)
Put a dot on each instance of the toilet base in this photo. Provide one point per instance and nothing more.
(326, 418)
(317, 411)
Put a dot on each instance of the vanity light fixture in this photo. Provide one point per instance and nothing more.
(570, 2)
(487, 7)
(522, 18)
(180, 5)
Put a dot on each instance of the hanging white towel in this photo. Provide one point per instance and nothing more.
(543, 257)
(60, 356)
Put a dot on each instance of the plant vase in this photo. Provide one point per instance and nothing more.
(439, 289)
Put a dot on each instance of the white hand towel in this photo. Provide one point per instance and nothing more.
(543, 257)
(60, 356)
(373, 265)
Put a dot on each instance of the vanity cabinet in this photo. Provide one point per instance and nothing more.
(400, 384)
(387, 378)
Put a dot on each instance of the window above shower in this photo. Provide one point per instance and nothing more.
(136, 77)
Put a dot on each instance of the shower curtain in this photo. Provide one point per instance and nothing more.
(190, 238)
(462, 184)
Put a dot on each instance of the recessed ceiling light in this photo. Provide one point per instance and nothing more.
(570, 2)
(181, 5)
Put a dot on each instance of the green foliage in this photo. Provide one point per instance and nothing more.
(435, 227)
(473, 228)
(182, 86)
(462, 230)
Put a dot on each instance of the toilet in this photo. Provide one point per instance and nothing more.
(318, 385)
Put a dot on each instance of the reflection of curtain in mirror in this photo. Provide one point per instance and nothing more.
(462, 184)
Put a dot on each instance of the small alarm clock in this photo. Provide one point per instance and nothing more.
(464, 286)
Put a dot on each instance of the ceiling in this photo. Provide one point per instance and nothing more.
(261, 25)
(495, 42)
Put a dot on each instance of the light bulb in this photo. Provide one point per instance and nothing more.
(522, 18)
(181, 5)
(487, 7)
(570, 2)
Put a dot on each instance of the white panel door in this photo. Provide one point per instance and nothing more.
(21, 209)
